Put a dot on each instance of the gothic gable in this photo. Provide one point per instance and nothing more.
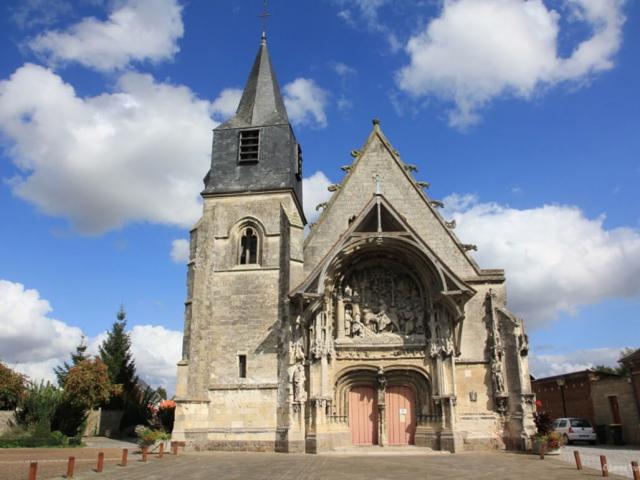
(378, 167)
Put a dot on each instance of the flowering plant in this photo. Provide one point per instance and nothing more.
(167, 404)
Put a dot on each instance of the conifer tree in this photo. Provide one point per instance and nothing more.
(115, 352)
(79, 355)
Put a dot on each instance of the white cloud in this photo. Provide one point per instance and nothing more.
(306, 102)
(368, 15)
(555, 258)
(30, 340)
(34, 343)
(227, 103)
(156, 351)
(342, 69)
(180, 250)
(314, 190)
(136, 30)
(137, 154)
(546, 365)
(479, 50)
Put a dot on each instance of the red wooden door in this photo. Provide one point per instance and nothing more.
(401, 415)
(363, 415)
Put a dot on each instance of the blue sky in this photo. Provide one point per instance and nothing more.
(523, 116)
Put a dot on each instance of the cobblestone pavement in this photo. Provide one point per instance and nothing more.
(265, 466)
(618, 458)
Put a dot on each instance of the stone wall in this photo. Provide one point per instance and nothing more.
(7, 421)
(622, 389)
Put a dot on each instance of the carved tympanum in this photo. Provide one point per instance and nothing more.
(379, 301)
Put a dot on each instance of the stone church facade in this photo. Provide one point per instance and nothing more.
(378, 328)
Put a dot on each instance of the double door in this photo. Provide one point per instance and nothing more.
(400, 416)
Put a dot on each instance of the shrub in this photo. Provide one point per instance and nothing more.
(38, 406)
(149, 436)
(12, 387)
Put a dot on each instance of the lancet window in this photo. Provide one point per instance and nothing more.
(249, 247)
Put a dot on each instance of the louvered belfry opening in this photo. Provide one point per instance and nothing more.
(249, 145)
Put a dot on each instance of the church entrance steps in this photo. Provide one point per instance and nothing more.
(377, 450)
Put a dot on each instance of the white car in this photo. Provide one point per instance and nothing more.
(575, 429)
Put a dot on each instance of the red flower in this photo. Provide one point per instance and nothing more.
(538, 403)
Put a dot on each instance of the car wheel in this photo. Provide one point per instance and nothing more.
(566, 439)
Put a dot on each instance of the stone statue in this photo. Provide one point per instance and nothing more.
(496, 374)
(299, 378)
(357, 328)
(348, 319)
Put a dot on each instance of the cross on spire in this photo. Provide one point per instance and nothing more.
(264, 16)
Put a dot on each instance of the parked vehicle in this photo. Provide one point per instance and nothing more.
(575, 429)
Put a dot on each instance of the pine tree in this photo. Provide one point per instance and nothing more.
(79, 355)
(115, 352)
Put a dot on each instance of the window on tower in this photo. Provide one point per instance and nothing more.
(248, 247)
(299, 162)
(249, 146)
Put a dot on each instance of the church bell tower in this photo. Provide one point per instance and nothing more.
(245, 256)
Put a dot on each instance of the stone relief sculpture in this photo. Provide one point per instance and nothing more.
(381, 302)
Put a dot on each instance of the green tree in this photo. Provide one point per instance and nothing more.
(621, 369)
(78, 356)
(115, 352)
(12, 387)
(162, 393)
(88, 384)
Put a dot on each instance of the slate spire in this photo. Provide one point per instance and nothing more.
(256, 150)
(261, 102)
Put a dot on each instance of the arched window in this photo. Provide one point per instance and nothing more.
(249, 246)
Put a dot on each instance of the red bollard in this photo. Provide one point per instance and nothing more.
(100, 465)
(174, 450)
(71, 465)
(543, 449)
(636, 470)
(161, 452)
(33, 470)
(576, 454)
(144, 454)
(605, 467)
(125, 457)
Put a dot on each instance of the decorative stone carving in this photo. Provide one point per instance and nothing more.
(321, 205)
(437, 204)
(452, 224)
(321, 337)
(410, 168)
(501, 403)
(423, 184)
(523, 344)
(381, 304)
(333, 187)
(440, 334)
(345, 168)
(469, 246)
